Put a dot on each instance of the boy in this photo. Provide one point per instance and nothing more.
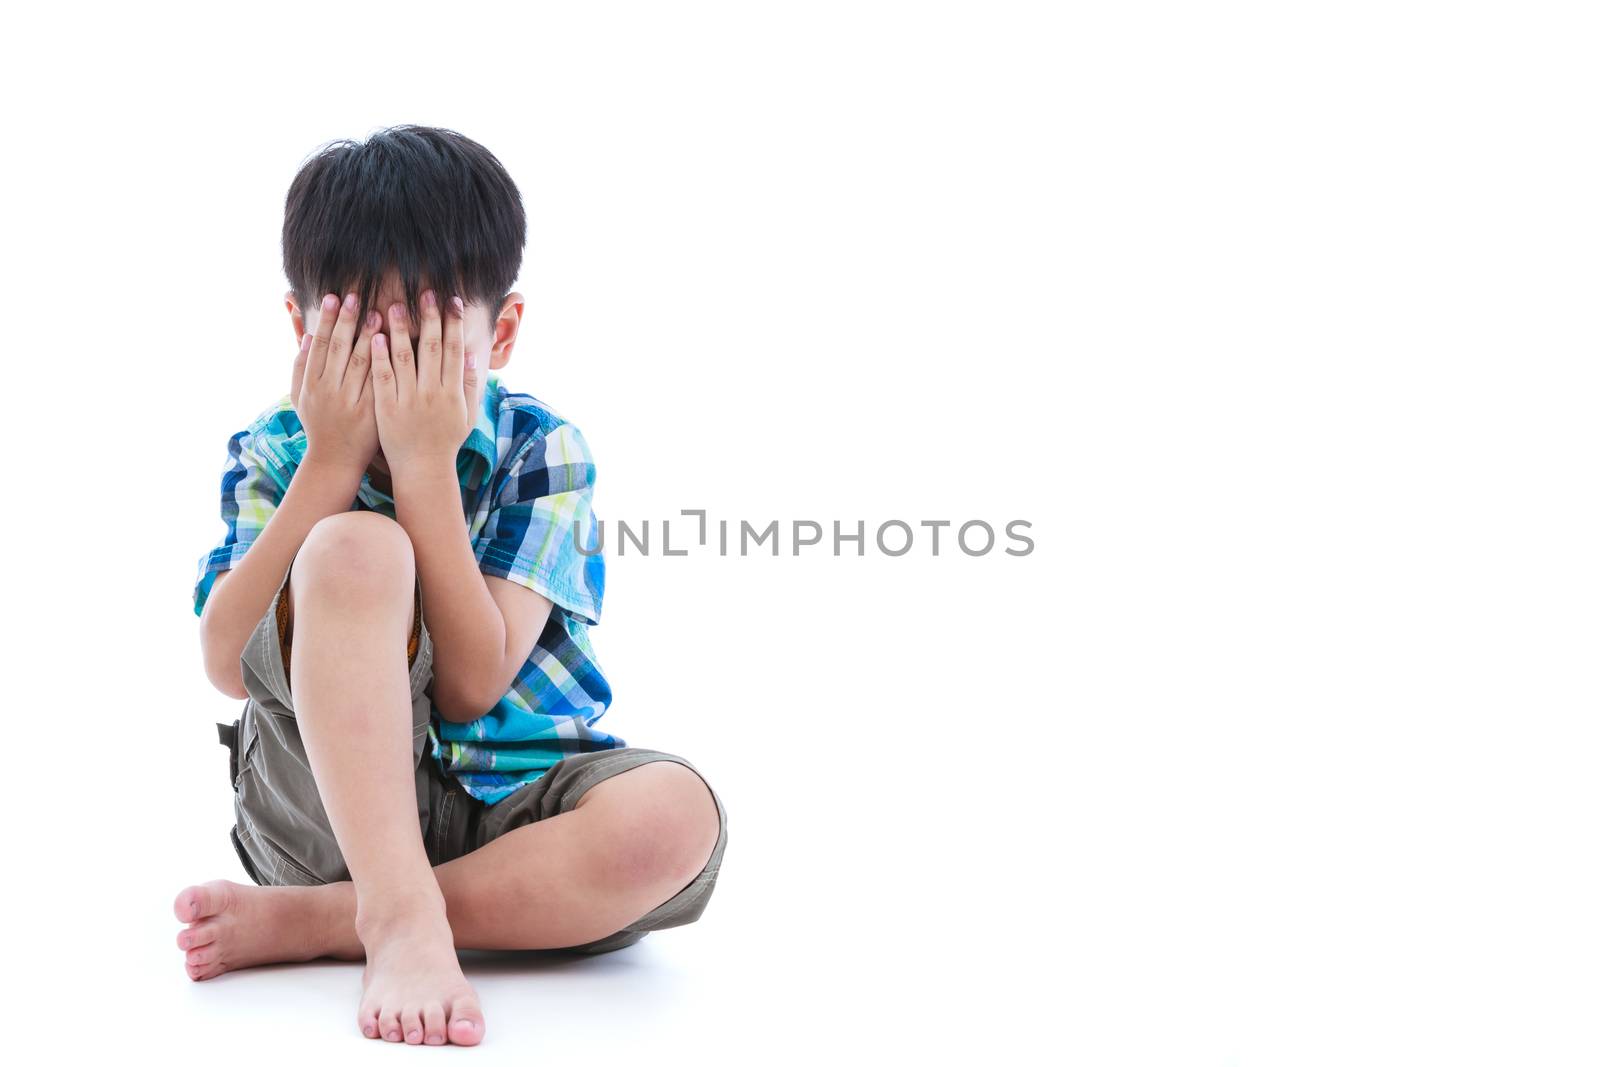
(401, 602)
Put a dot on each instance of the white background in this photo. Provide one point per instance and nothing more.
(1276, 321)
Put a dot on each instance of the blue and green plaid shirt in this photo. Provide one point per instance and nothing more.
(526, 478)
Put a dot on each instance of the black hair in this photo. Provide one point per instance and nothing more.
(427, 202)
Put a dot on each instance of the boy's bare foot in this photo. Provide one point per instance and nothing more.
(413, 989)
(233, 926)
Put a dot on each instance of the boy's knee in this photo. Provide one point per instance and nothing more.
(355, 548)
(664, 824)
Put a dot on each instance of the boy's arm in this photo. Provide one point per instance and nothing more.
(483, 627)
(316, 491)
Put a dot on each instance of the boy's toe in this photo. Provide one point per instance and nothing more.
(187, 904)
(196, 935)
(466, 1022)
(389, 1024)
(201, 971)
(433, 1024)
(198, 901)
(411, 1026)
(367, 1020)
(203, 956)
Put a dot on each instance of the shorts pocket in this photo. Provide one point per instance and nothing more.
(245, 861)
(248, 740)
(268, 863)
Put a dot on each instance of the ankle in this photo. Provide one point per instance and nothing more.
(386, 912)
(329, 922)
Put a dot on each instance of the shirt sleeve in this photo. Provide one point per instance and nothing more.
(543, 515)
(250, 494)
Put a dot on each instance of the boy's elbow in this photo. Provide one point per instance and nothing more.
(230, 683)
(458, 707)
(455, 711)
(222, 669)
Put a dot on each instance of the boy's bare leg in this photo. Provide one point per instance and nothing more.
(352, 592)
(632, 842)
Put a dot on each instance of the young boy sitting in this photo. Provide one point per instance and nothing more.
(403, 600)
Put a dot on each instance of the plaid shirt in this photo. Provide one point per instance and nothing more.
(526, 478)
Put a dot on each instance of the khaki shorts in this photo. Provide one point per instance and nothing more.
(281, 831)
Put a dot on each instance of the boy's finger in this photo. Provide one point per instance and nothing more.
(454, 328)
(383, 376)
(319, 341)
(361, 356)
(298, 375)
(429, 376)
(344, 334)
(403, 371)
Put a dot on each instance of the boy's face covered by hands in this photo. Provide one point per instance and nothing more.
(478, 323)
(391, 389)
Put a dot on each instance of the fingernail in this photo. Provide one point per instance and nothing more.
(350, 302)
(398, 311)
(373, 319)
(379, 343)
(427, 299)
(472, 360)
(305, 341)
(461, 309)
(330, 302)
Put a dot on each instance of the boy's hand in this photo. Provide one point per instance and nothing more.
(329, 388)
(423, 408)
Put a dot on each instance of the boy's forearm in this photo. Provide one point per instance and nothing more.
(235, 607)
(464, 622)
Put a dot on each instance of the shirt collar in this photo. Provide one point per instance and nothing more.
(484, 440)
